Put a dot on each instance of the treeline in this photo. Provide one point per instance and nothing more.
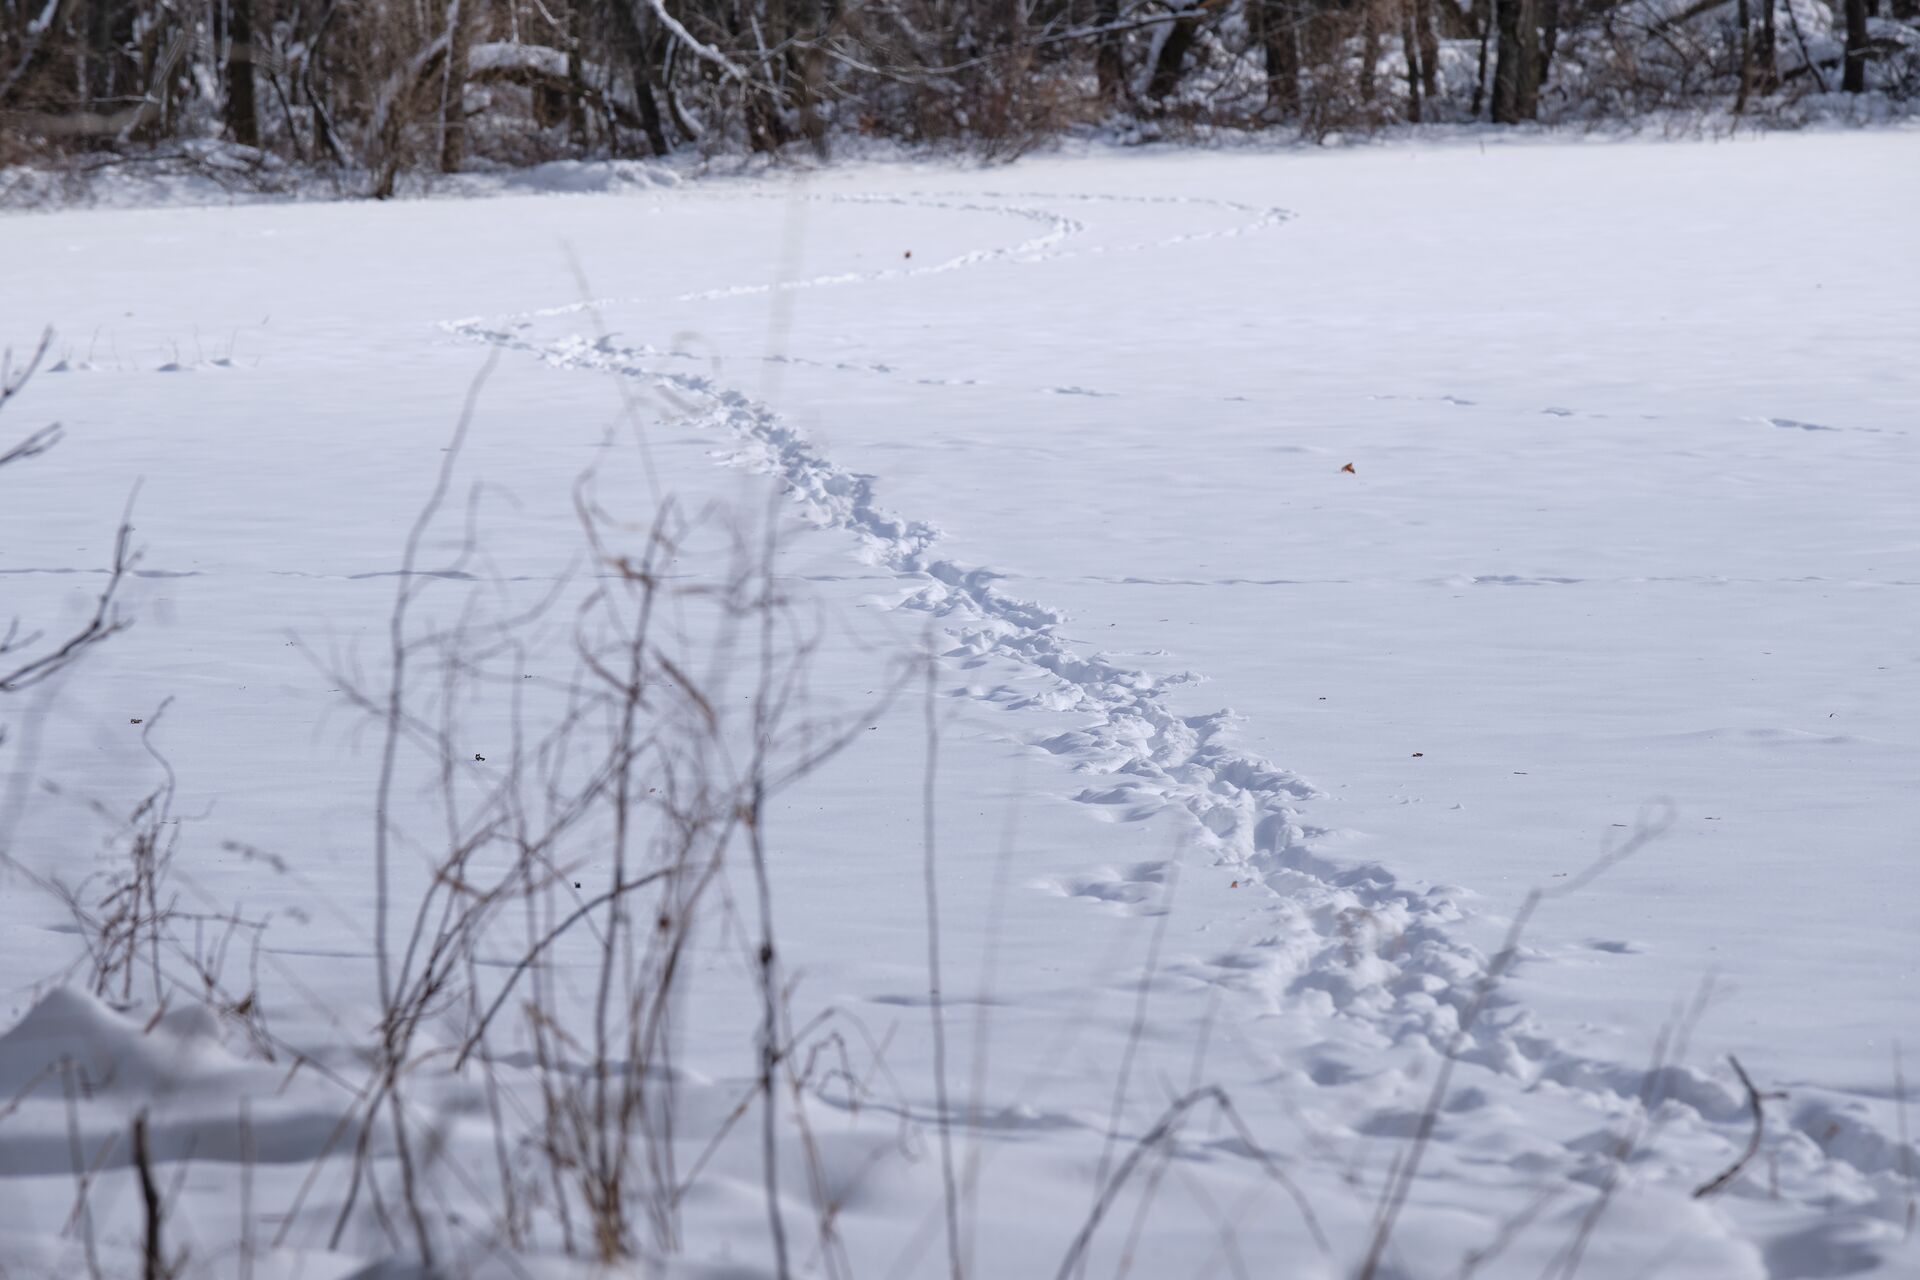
(381, 87)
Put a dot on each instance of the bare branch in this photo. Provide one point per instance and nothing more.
(1755, 1101)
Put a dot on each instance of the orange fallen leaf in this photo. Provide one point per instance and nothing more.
(1349, 470)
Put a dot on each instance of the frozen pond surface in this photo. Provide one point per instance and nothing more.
(1508, 498)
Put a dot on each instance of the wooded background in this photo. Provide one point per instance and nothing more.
(378, 88)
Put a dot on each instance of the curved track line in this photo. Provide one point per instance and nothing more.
(1043, 247)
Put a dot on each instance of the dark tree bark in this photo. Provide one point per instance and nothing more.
(1429, 40)
(1549, 42)
(1745, 19)
(669, 92)
(1765, 64)
(461, 15)
(1369, 47)
(649, 104)
(310, 67)
(646, 94)
(1410, 49)
(1854, 79)
(1280, 46)
(1516, 70)
(1171, 64)
(576, 80)
(642, 47)
(1488, 20)
(243, 117)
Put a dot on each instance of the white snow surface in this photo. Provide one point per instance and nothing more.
(1247, 758)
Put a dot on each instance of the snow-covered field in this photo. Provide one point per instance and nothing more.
(1323, 550)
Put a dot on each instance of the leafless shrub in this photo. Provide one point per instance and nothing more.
(628, 799)
(120, 912)
(140, 941)
(128, 915)
(1163, 1132)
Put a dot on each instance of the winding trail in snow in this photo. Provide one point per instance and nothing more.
(1357, 938)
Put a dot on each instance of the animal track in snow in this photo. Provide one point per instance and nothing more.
(1353, 939)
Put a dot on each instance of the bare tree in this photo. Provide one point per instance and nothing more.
(1854, 78)
(1516, 73)
(383, 88)
(242, 112)
(461, 20)
(1279, 37)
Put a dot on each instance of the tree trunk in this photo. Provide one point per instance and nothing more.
(1745, 19)
(1549, 42)
(649, 104)
(1429, 40)
(1854, 80)
(642, 44)
(1369, 47)
(1765, 75)
(453, 84)
(313, 49)
(1279, 45)
(243, 119)
(1410, 49)
(669, 90)
(1171, 64)
(1516, 70)
(1487, 22)
(576, 81)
